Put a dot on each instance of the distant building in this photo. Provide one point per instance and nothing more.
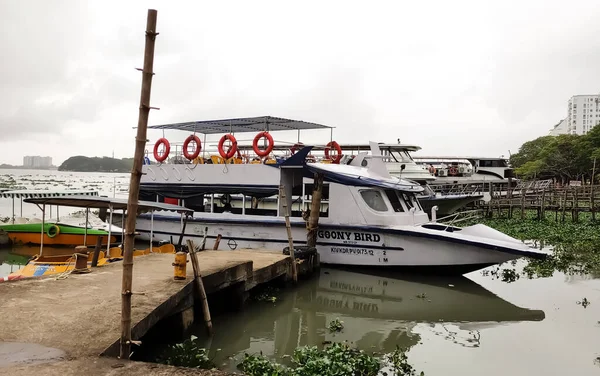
(583, 114)
(560, 128)
(37, 161)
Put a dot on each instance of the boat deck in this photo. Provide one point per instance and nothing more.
(80, 315)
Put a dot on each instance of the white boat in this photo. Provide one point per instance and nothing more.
(400, 163)
(367, 217)
(467, 170)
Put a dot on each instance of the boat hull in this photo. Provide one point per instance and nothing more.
(363, 246)
(24, 234)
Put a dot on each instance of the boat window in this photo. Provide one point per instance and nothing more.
(374, 199)
(411, 201)
(394, 200)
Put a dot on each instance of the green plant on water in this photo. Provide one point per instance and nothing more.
(339, 359)
(336, 325)
(189, 354)
(266, 294)
(259, 365)
(575, 245)
(398, 362)
(584, 302)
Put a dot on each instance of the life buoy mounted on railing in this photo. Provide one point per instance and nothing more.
(268, 150)
(452, 171)
(232, 149)
(162, 157)
(186, 143)
(333, 145)
(296, 147)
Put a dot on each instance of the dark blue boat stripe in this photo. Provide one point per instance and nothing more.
(381, 230)
(176, 234)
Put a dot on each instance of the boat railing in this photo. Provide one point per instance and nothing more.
(462, 216)
(457, 189)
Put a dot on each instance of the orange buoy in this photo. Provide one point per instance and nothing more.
(232, 149)
(268, 150)
(333, 145)
(186, 143)
(162, 157)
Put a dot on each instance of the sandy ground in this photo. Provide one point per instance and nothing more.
(80, 315)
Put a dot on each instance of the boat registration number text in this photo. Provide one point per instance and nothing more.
(353, 251)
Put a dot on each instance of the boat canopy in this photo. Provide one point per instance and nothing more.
(240, 125)
(106, 203)
(24, 193)
(360, 177)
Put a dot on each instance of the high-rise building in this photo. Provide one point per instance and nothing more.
(583, 114)
(37, 161)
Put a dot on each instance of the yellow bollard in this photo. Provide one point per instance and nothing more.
(180, 265)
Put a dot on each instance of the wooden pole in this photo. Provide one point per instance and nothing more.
(134, 185)
(288, 227)
(217, 241)
(97, 251)
(200, 287)
(315, 209)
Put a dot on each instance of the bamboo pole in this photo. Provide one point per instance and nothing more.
(200, 288)
(288, 227)
(134, 185)
(315, 209)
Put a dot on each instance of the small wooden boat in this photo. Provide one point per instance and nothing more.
(42, 266)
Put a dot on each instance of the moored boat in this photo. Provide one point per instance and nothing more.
(367, 217)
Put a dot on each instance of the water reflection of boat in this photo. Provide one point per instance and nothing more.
(379, 311)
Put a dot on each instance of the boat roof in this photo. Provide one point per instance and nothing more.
(240, 125)
(98, 202)
(393, 147)
(421, 157)
(39, 193)
(360, 177)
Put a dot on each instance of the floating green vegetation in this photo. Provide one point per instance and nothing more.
(575, 245)
(265, 294)
(338, 359)
(336, 325)
(189, 354)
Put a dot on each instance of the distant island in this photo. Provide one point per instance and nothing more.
(80, 163)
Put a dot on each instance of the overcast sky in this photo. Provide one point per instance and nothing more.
(455, 77)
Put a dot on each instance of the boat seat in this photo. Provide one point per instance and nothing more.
(217, 159)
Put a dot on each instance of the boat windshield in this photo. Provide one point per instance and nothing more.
(402, 156)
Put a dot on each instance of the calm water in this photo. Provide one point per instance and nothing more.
(453, 326)
(474, 325)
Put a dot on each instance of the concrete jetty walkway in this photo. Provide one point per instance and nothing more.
(80, 315)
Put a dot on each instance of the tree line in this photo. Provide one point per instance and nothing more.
(562, 158)
(94, 164)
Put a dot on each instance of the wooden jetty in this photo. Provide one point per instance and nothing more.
(561, 200)
(81, 316)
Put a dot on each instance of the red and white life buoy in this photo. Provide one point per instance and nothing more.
(186, 143)
(159, 157)
(453, 171)
(232, 149)
(268, 150)
(333, 145)
(296, 147)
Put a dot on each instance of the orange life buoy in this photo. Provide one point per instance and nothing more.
(158, 157)
(453, 171)
(338, 149)
(186, 143)
(232, 149)
(268, 150)
(296, 147)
